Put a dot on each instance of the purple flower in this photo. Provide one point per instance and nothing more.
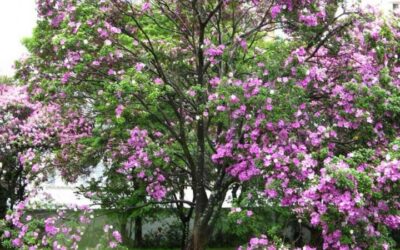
(6, 234)
(17, 242)
(275, 10)
(113, 244)
(214, 82)
(117, 236)
(216, 51)
(158, 81)
(118, 111)
(221, 108)
(35, 168)
(65, 78)
(139, 66)
(309, 20)
(146, 6)
(234, 99)
(56, 21)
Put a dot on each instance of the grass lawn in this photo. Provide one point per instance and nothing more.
(226, 248)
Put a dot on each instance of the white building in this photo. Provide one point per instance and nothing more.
(386, 6)
(63, 193)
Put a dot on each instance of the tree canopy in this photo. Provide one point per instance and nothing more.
(202, 97)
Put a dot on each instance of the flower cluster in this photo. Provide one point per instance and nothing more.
(299, 156)
(140, 160)
(28, 231)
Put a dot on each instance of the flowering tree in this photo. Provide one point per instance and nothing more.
(33, 138)
(28, 132)
(31, 133)
(315, 133)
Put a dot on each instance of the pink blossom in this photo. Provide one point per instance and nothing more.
(221, 108)
(139, 66)
(234, 99)
(158, 81)
(214, 82)
(118, 111)
(117, 236)
(146, 6)
(275, 10)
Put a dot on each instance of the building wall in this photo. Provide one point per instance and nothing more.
(63, 193)
(387, 6)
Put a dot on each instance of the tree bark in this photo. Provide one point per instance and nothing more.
(199, 238)
(126, 236)
(204, 221)
(3, 203)
(184, 234)
(138, 231)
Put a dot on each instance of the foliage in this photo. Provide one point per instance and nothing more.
(6, 80)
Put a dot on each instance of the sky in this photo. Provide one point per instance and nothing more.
(17, 19)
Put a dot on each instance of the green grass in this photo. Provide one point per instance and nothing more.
(226, 248)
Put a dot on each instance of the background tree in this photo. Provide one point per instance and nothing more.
(6, 80)
(31, 133)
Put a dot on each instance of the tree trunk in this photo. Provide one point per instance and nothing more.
(3, 203)
(199, 235)
(122, 229)
(138, 231)
(199, 238)
(185, 229)
(205, 219)
(126, 236)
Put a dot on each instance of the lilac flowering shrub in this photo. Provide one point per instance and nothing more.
(24, 228)
(25, 231)
(342, 175)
